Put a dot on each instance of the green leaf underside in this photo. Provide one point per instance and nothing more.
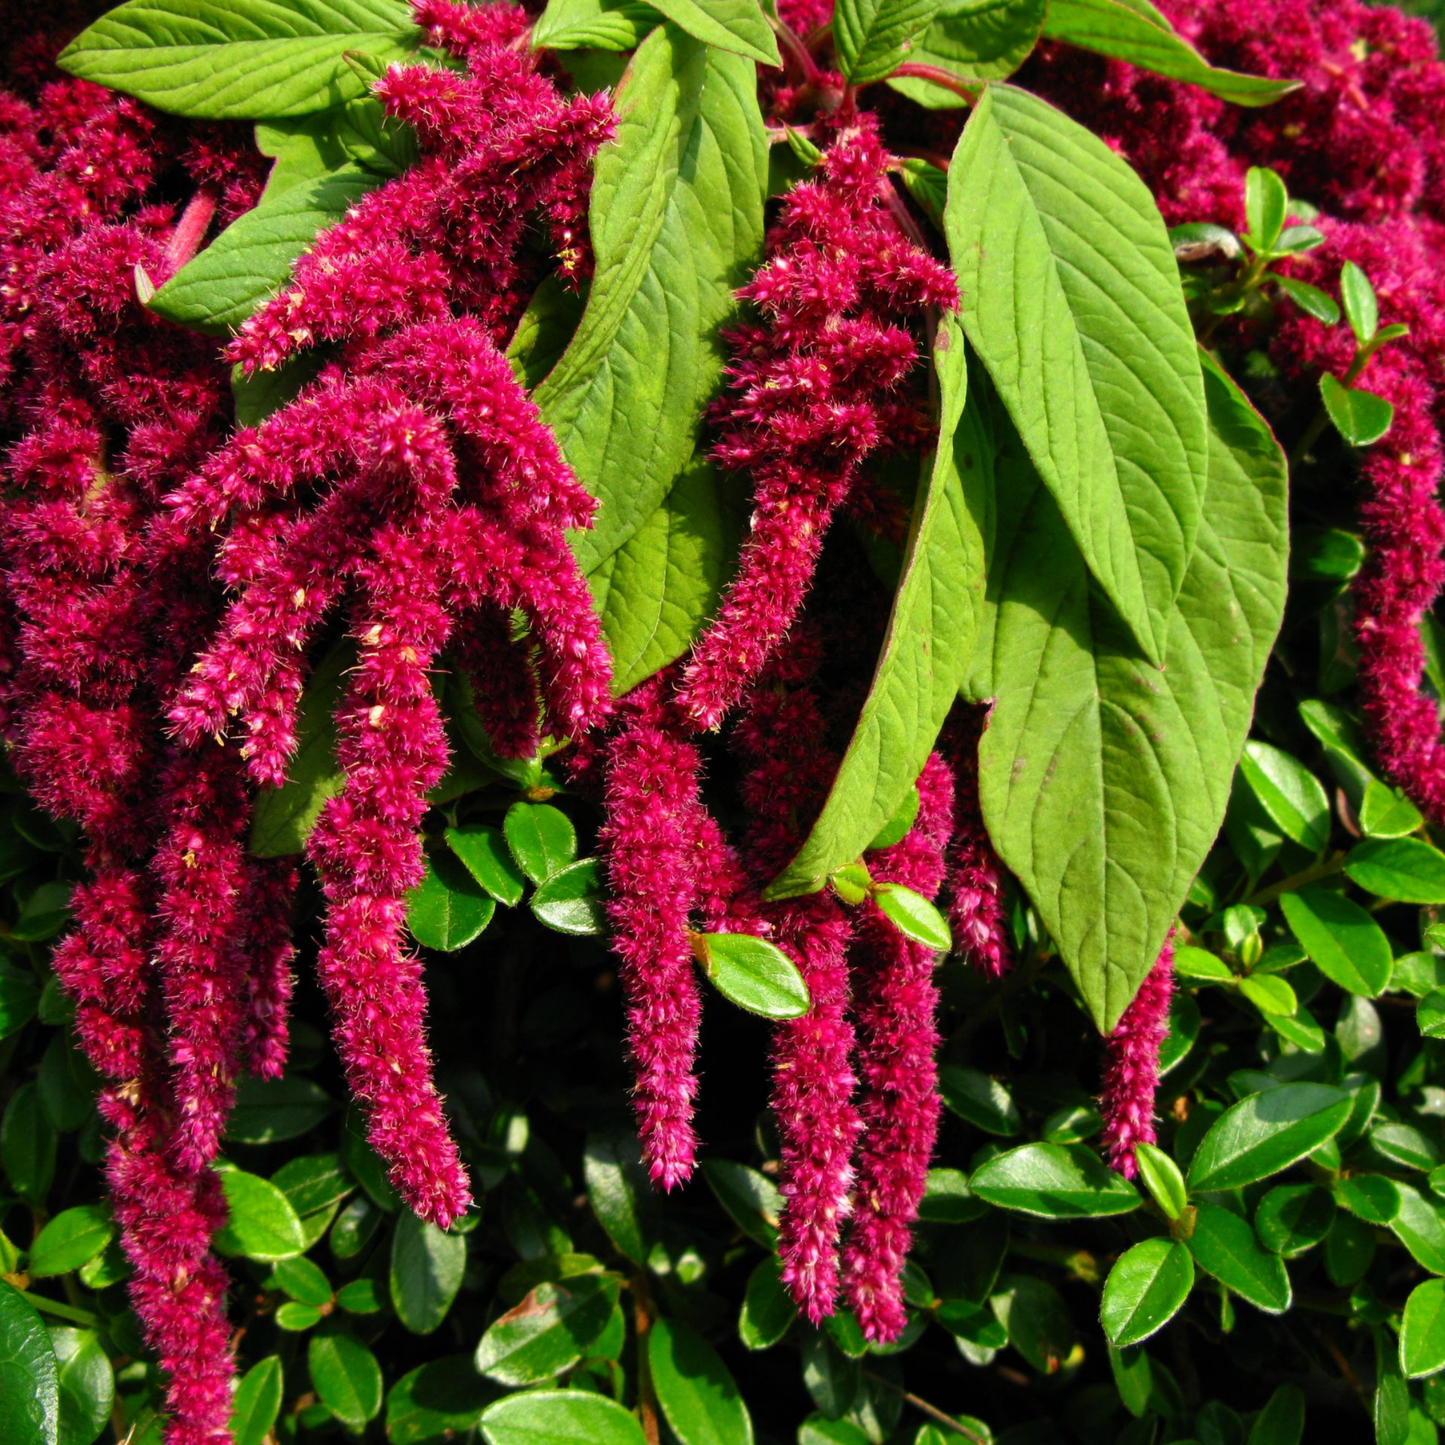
(755, 974)
(1225, 1246)
(29, 1377)
(1071, 296)
(594, 25)
(1265, 1133)
(1145, 1289)
(697, 1393)
(735, 25)
(677, 223)
(1056, 1181)
(250, 261)
(551, 1329)
(975, 40)
(1103, 779)
(1143, 37)
(658, 588)
(559, 1417)
(220, 60)
(929, 642)
(872, 36)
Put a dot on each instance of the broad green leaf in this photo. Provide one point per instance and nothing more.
(695, 1389)
(872, 36)
(984, 1102)
(571, 900)
(1293, 1218)
(87, 1384)
(1361, 417)
(736, 25)
(1103, 780)
(448, 909)
(750, 1198)
(677, 224)
(1143, 37)
(913, 916)
(1341, 939)
(594, 25)
(1291, 795)
(658, 588)
(1422, 1331)
(442, 1400)
(559, 1417)
(73, 1238)
(541, 838)
(261, 1223)
(1420, 1227)
(619, 1192)
(753, 973)
(216, 59)
(27, 1145)
(251, 260)
(485, 855)
(427, 1265)
(1038, 1322)
(1265, 1133)
(974, 40)
(1408, 870)
(270, 1110)
(768, 1310)
(257, 1402)
(1225, 1246)
(551, 1329)
(347, 1378)
(1145, 1290)
(1055, 1181)
(929, 642)
(29, 1375)
(1071, 296)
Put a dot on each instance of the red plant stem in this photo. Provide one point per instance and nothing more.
(190, 230)
(936, 75)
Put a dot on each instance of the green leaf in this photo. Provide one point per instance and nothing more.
(974, 40)
(283, 817)
(1282, 1421)
(1341, 939)
(1291, 794)
(1404, 1145)
(1408, 870)
(1224, 1246)
(19, 998)
(1162, 1179)
(1145, 1290)
(571, 900)
(1360, 417)
(442, 1400)
(363, 1297)
(1420, 1227)
(1055, 1181)
(871, 37)
(483, 851)
(1310, 299)
(1362, 310)
(551, 1329)
(559, 1417)
(1139, 34)
(1385, 813)
(1392, 1396)
(219, 60)
(1071, 296)
(27, 1145)
(270, 1110)
(1422, 1330)
(676, 225)
(619, 1192)
(427, 1265)
(733, 25)
(896, 829)
(697, 1393)
(1103, 780)
(616, 25)
(1294, 1218)
(983, 1102)
(257, 1403)
(87, 1385)
(1371, 1197)
(302, 1280)
(1430, 1015)
(73, 1238)
(261, 1224)
(929, 643)
(541, 837)
(658, 588)
(1265, 1133)
(1037, 1320)
(750, 1198)
(29, 1375)
(448, 909)
(1270, 995)
(768, 1310)
(913, 916)
(1266, 205)
(753, 973)
(297, 1318)
(347, 1378)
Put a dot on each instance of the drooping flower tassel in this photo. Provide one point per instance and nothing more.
(1131, 1069)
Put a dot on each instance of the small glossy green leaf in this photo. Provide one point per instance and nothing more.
(736, 25)
(448, 909)
(1266, 203)
(1404, 1145)
(87, 1385)
(1362, 310)
(768, 1310)
(1191, 963)
(257, 1403)
(27, 1145)
(1282, 1421)
(1430, 1015)
(1294, 1218)
(1270, 995)
(1225, 1246)
(73, 1238)
(1310, 299)
(19, 998)
(1145, 1290)
(347, 1378)
(913, 916)
(485, 855)
(573, 899)
(1420, 1227)
(1371, 1197)
(1038, 1322)
(29, 1374)
(270, 1110)
(302, 1280)
(551, 1329)
(361, 1297)
(1408, 870)
(261, 1223)
(1361, 417)
(1162, 1179)
(750, 1198)
(873, 36)
(984, 1102)
(1289, 793)
(1341, 939)
(559, 1417)
(442, 1400)
(427, 1265)
(296, 1317)
(1422, 1330)
(1055, 1181)
(541, 838)
(754, 974)
(947, 1199)
(698, 1395)
(1265, 1133)
(619, 1192)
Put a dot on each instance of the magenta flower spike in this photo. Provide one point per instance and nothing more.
(1131, 1067)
